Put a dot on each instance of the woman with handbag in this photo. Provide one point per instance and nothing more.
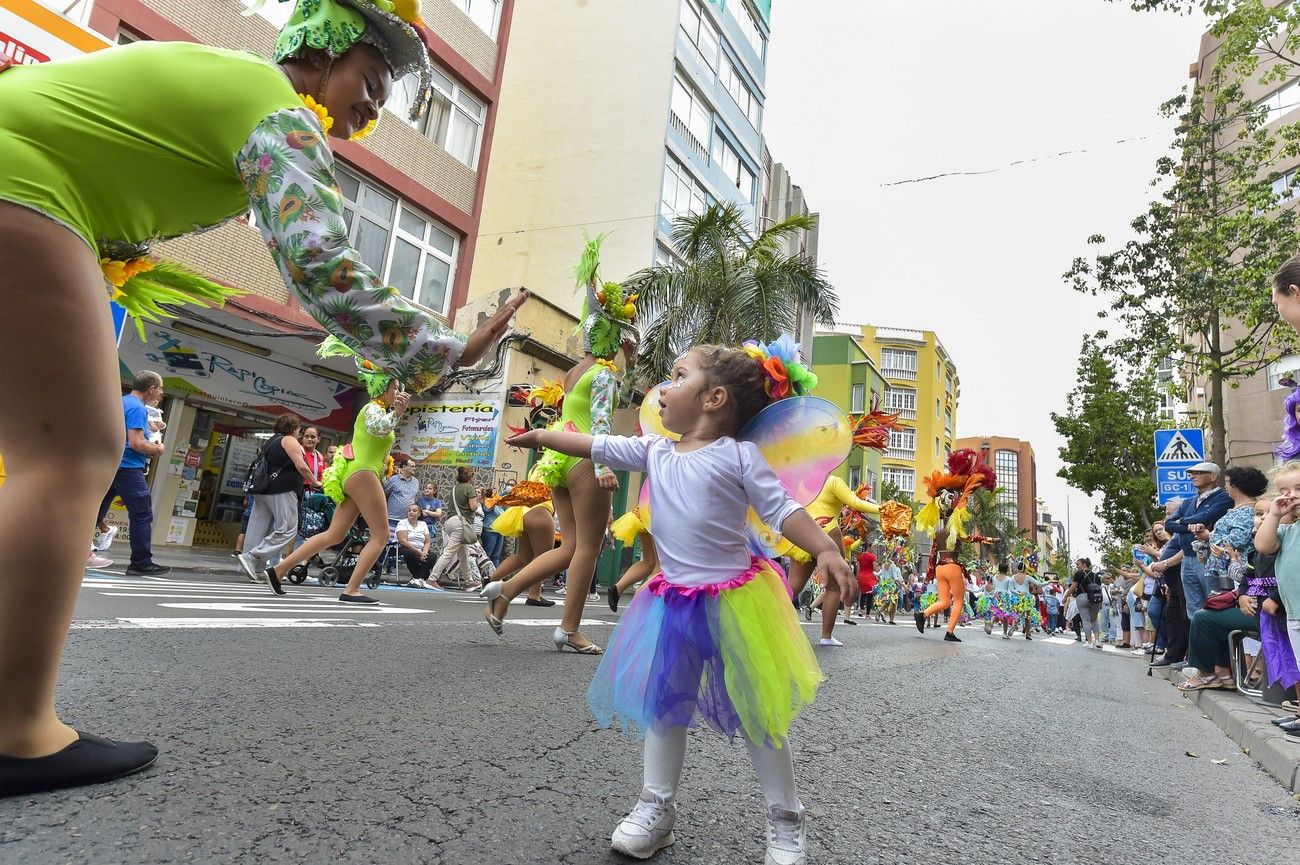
(459, 534)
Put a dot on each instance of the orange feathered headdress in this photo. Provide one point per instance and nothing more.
(872, 429)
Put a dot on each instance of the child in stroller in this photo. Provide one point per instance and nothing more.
(314, 516)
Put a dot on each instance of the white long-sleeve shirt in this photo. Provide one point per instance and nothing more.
(699, 501)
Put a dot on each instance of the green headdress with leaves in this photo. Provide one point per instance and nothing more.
(374, 379)
(607, 315)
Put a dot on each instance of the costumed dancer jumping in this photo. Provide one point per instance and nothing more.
(869, 431)
(182, 135)
(713, 639)
(580, 488)
(945, 518)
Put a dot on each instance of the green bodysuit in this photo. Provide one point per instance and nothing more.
(158, 139)
(588, 408)
(372, 439)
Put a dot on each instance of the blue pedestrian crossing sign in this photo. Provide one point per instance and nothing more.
(1176, 451)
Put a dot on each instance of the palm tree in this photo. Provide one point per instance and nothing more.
(728, 287)
(995, 519)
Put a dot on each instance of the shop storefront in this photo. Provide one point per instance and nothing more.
(223, 396)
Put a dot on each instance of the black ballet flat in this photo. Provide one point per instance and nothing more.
(920, 622)
(539, 602)
(951, 638)
(613, 597)
(89, 760)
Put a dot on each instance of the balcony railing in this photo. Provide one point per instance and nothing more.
(904, 374)
(904, 413)
(685, 132)
(900, 453)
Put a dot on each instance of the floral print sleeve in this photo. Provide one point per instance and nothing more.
(378, 422)
(288, 170)
(604, 387)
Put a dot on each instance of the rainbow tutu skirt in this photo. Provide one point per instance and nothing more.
(730, 655)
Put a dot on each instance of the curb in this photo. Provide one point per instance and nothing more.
(1247, 723)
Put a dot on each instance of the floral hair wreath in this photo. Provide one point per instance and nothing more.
(786, 374)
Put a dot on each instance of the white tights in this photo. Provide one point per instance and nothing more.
(664, 752)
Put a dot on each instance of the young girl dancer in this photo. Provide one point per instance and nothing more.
(713, 639)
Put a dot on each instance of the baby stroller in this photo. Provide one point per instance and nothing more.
(346, 558)
(314, 517)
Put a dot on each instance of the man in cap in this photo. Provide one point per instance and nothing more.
(1205, 508)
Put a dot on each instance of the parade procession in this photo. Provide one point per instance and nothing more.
(528, 431)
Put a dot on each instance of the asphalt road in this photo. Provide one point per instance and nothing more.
(296, 730)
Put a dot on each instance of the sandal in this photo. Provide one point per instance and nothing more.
(1227, 683)
(1197, 683)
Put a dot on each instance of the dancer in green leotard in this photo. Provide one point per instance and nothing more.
(99, 156)
(355, 479)
(580, 488)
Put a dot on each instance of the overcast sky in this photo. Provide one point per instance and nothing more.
(861, 94)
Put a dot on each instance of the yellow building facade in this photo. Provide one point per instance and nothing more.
(922, 385)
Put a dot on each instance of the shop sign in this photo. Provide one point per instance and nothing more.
(31, 33)
(451, 432)
(196, 367)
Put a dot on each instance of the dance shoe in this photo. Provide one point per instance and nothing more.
(564, 640)
(89, 760)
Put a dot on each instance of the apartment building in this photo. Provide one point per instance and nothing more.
(922, 385)
(413, 194)
(1017, 472)
(1252, 407)
(847, 376)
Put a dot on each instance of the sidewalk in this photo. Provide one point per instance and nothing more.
(193, 560)
(1246, 722)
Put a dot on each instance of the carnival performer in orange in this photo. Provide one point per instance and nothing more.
(945, 518)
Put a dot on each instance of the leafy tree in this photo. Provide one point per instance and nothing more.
(1108, 426)
(1193, 282)
(1059, 562)
(1114, 551)
(728, 287)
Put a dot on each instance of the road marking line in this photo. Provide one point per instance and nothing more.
(169, 624)
(272, 606)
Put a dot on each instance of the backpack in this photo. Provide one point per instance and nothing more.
(260, 477)
(1094, 588)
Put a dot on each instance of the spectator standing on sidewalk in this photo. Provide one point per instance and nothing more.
(129, 483)
(459, 527)
(314, 459)
(1205, 509)
(274, 519)
(430, 507)
(493, 543)
(401, 490)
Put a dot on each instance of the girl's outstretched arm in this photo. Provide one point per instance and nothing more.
(573, 444)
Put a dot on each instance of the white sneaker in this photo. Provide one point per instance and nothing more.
(829, 641)
(249, 564)
(94, 561)
(785, 837)
(647, 829)
(104, 540)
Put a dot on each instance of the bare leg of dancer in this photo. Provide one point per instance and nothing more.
(644, 568)
(344, 516)
(831, 596)
(56, 357)
(583, 509)
(539, 534)
(364, 490)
